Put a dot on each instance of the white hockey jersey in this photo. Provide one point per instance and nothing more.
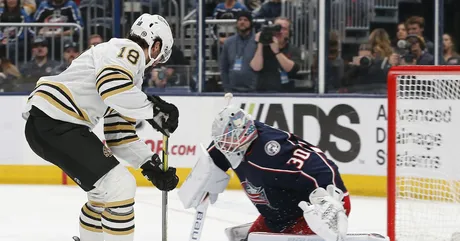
(103, 82)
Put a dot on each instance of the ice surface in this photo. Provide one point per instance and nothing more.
(50, 213)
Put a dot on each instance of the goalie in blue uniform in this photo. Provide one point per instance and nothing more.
(295, 188)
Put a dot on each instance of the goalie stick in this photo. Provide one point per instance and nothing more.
(200, 213)
(198, 221)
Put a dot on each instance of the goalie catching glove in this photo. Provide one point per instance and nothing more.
(153, 171)
(325, 214)
(165, 115)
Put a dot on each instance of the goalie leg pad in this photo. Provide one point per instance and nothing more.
(299, 227)
(259, 236)
(239, 232)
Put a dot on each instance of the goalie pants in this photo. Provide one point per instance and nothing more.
(71, 147)
(299, 227)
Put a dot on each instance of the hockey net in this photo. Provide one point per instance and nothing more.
(423, 147)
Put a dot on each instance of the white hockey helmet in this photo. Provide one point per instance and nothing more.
(151, 27)
(233, 130)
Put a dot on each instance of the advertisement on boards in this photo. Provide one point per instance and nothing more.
(427, 137)
(350, 131)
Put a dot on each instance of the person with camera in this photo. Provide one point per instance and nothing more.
(416, 46)
(275, 60)
(367, 73)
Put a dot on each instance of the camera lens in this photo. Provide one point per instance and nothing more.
(365, 61)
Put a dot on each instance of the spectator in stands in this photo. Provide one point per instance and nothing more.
(9, 74)
(401, 34)
(278, 62)
(269, 10)
(159, 78)
(29, 6)
(71, 51)
(177, 71)
(237, 53)
(58, 11)
(226, 10)
(381, 44)
(449, 47)
(95, 39)
(13, 37)
(366, 73)
(415, 25)
(40, 65)
(418, 49)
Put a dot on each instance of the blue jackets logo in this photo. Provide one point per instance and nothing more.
(256, 194)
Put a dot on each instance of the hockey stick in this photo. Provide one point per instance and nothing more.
(164, 203)
(198, 222)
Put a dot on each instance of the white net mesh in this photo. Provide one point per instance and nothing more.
(428, 169)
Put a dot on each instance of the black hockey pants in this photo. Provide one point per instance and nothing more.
(71, 147)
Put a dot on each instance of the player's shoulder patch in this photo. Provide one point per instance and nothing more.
(272, 148)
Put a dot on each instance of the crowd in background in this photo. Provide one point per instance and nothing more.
(251, 57)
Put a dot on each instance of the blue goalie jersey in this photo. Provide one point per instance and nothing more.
(280, 170)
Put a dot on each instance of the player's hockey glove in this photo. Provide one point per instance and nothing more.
(153, 171)
(325, 214)
(165, 115)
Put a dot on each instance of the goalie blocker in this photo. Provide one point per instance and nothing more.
(283, 176)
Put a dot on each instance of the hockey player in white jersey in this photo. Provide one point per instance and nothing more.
(105, 82)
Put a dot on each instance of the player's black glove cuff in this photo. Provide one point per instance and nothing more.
(165, 115)
(153, 171)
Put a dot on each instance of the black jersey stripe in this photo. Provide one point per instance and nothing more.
(116, 115)
(107, 112)
(53, 100)
(62, 92)
(117, 123)
(118, 231)
(115, 90)
(116, 69)
(119, 131)
(111, 77)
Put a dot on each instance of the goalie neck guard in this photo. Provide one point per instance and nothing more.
(233, 131)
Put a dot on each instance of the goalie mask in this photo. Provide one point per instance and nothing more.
(151, 28)
(233, 131)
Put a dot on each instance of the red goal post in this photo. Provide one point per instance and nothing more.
(423, 141)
